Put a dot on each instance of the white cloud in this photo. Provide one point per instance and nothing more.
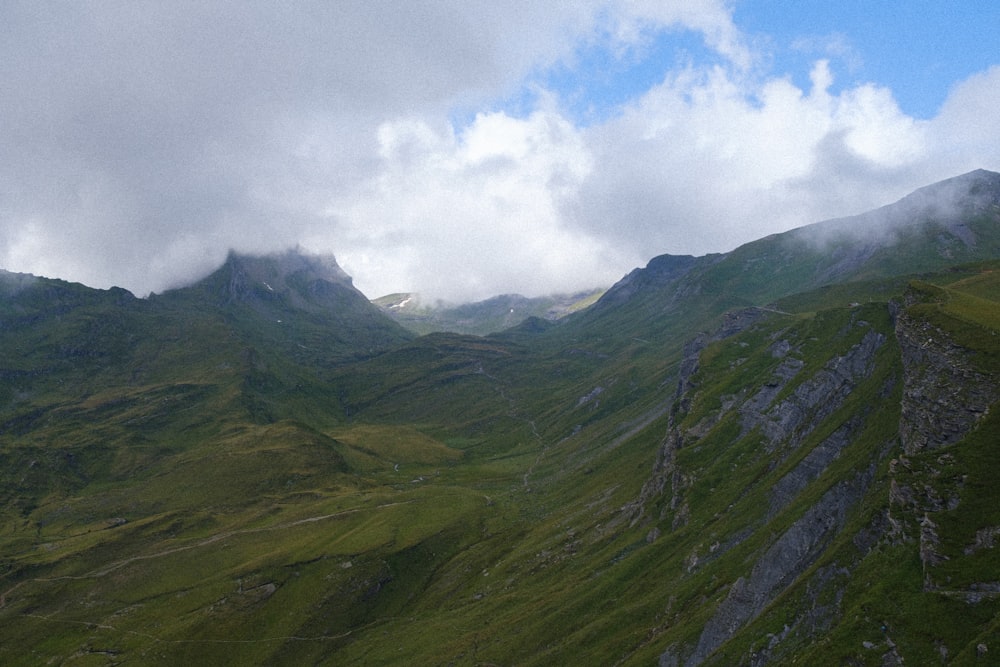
(459, 215)
(966, 133)
(710, 159)
(836, 45)
(634, 20)
(146, 140)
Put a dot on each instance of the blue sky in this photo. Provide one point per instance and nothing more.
(599, 78)
(916, 48)
(466, 148)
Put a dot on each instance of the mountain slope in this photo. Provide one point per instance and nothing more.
(952, 222)
(779, 455)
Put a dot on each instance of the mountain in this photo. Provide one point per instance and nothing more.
(954, 221)
(784, 454)
(481, 317)
(293, 297)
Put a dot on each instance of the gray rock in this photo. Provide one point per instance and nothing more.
(811, 467)
(944, 395)
(788, 422)
(779, 566)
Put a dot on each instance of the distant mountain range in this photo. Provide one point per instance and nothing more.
(481, 317)
(784, 454)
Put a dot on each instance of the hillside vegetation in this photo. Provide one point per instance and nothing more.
(781, 455)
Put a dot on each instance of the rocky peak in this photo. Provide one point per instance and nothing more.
(278, 271)
(292, 274)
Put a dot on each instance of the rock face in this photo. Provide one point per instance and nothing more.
(787, 422)
(780, 564)
(812, 466)
(783, 414)
(666, 470)
(799, 422)
(292, 273)
(783, 424)
(944, 395)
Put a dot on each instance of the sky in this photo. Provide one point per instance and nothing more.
(467, 148)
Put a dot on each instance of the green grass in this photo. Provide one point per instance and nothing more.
(184, 487)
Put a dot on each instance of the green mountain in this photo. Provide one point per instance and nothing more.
(785, 454)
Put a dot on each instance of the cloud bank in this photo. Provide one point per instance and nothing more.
(421, 146)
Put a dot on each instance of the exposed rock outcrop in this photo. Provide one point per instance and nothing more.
(665, 470)
(812, 466)
(781, 564)
(944, 394)
(786, 423)
(785, 411)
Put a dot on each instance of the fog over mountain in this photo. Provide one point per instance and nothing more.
(436, 148)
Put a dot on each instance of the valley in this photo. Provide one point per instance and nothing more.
(784, 454)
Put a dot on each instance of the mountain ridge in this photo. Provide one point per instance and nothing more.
(481, 317)
(973, 193)
(906, 237)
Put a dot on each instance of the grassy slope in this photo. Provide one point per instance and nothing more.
(886, 598)
(456, 500)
